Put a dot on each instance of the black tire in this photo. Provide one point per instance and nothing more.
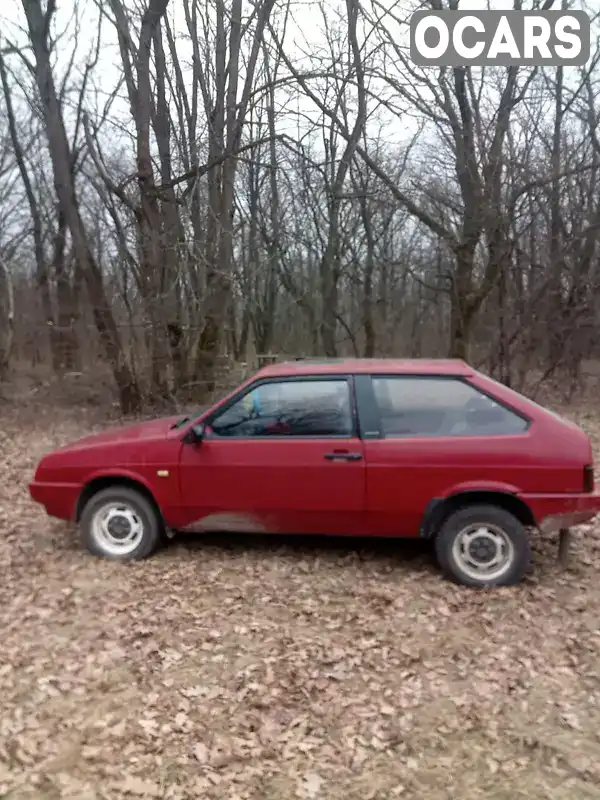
(502, 523)
(137, 507)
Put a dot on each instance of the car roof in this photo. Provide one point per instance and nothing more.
(388, 366)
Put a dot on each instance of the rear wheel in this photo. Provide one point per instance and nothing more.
(483, 546)
(120, 524)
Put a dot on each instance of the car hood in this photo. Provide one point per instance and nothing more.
(141, 431)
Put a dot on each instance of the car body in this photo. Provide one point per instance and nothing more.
(382, 447)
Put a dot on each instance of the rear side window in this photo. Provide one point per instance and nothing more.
(435, 406)
(289, 408)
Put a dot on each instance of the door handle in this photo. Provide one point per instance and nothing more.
(341, 456)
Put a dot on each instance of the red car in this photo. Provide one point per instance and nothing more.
(430, 449)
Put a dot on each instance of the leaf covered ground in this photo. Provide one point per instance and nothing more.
(238, 668)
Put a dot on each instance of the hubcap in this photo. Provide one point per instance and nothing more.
(483, 552)
(117, 529)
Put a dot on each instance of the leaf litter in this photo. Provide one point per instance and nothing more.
(231, 667)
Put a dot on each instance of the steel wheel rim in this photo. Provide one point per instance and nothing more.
(117, 528)
(483, 551)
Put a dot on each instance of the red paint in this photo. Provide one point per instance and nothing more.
(287, 484)
(283, 486)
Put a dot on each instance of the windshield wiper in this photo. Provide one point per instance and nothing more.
(189, 417)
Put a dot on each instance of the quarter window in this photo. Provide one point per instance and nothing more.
(424, 406)
(289, 408)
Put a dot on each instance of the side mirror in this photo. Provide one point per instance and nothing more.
(197, 433)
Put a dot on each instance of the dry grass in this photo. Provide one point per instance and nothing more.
(239, 668)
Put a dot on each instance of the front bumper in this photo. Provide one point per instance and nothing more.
(556, 512)
(59, 499)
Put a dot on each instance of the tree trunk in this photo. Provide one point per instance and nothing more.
(463, 305)
(64, 184)
(461, 327)
(66, 348)
(7, 319)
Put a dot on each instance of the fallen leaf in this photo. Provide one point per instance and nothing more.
(310, 786)
(140, 787)
(201, 752)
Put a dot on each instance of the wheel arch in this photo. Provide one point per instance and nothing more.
(101, 482)
(440, 508)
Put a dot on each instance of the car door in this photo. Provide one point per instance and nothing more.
(284, 456)
(429, 436)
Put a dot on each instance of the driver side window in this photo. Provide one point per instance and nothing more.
(436, 406)
(289, 408)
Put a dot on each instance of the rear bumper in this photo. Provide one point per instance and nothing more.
(59, 499)
(553, 512)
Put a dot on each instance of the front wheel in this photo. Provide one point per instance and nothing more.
(482, 546)
(120, 524)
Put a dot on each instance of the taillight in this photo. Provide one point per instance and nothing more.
(588, 478)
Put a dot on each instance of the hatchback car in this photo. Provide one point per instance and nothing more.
(387, 448)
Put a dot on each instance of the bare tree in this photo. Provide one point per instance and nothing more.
(149, 219)
(38, 24)
(260, 204)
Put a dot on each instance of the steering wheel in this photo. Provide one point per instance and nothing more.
(278, 427)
